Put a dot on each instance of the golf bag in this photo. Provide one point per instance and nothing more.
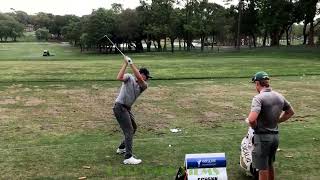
(246, 154)
(182, 174)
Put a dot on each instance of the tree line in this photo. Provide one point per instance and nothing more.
(155, 22)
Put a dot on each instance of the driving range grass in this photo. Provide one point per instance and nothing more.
(56, 115)
(23, 62)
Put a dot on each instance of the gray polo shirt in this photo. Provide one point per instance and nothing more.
(269, 104)
(130, 90)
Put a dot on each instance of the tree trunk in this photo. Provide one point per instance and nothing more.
(165, 44)
(184, 44)
(172, 44)
(129, 46)
(188, 42)
(154, 44)
(287, 36)
(212, 42)
(235, 42)
(179, 44)
(305, 33)
(275, 37)
(239, 25)
(202, 43)
(254, 40)
(311, 34)
(159, 45)
(188, 45)
(139, 47)
(265, 38)
(148, 45)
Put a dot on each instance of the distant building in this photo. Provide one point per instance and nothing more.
(29, 28)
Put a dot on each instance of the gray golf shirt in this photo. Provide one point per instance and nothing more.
(269, 104)
(130, 90)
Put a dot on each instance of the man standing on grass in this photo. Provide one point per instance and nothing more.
(268, 108)
(132, 87)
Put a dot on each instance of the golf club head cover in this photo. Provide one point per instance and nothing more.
(129, 60)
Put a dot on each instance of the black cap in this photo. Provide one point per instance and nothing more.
(146, 72)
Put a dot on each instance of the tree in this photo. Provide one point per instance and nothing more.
(130, 30)
(84, 41)
(294, 15)
(58, 22)
(72, 32)
(309, 10)
(42, 19)
(276, 17)
(175, 26)
(42, 34)
(10, 28)
(188, 28)
(117, 8)
(144, 15)
(317, 31)
(161, 11)
(22, 17)
(99, 23)
(250, 22)
(240, 9)
(296, 32)
(201, 20)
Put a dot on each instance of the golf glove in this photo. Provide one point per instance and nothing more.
(129, 60)
(247, 121)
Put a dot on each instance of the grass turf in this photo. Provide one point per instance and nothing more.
(52, 130)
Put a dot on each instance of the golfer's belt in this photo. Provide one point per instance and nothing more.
(266, 132)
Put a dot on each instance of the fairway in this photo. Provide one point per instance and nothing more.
(56, 118)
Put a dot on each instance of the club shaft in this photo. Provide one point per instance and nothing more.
(115, 46)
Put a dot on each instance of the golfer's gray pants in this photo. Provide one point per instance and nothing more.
(126, 121)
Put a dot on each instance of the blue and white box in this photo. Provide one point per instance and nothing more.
(206, 166)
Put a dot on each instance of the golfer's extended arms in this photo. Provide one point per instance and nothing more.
(137, 74)
(122, 71)
(286, 115)
(253, 119)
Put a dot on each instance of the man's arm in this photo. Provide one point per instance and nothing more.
(252, 118)
(286, 115)
(122, 71)
(255, 111)
(136, 72)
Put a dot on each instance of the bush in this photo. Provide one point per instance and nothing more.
(42, 34)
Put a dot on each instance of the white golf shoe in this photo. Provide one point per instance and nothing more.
(132, 160)
(121, 151)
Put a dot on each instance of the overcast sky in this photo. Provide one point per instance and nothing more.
(62, 7)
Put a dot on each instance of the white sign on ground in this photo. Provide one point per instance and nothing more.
(206, 166)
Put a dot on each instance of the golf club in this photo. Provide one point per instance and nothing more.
(114, 45)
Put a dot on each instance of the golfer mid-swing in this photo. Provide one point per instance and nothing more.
(268, 109)
(132, 87)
